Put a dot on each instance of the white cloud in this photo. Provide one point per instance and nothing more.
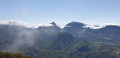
(21, 23)
(100, 26)
(116, 24)
(61, 26)
(37, 25)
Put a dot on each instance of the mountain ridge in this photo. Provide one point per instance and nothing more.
(21, 23)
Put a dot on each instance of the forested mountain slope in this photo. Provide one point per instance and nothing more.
(73, 41)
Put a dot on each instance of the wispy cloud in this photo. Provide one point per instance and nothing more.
(21, 23)
(100, 26)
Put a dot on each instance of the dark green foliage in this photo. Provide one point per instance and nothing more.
(11, 55)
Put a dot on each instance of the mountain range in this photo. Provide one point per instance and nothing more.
(75, 40)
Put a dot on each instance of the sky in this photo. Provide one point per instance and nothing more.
(92, 12)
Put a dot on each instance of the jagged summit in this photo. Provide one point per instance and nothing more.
(53, 23)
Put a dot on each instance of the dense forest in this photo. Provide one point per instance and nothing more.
(74, 41)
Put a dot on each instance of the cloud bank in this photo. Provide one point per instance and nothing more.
(100, 26)
(21, 23)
